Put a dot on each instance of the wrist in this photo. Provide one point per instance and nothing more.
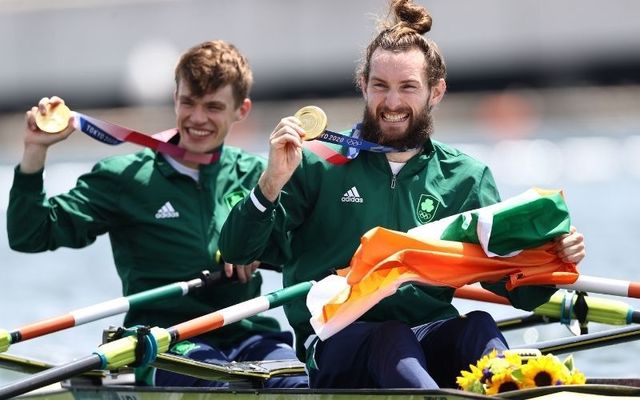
(269, 188)
(33, 158)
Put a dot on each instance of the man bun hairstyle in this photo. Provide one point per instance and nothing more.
(211, 65)
(410, 18)
(403, 30)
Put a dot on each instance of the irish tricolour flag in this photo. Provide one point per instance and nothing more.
(508, 239)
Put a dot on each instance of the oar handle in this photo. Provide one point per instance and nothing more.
(266, 266)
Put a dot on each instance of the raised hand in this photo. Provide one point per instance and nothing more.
(285, 154)
(36, 141)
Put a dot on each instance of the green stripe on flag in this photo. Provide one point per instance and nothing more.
(525, 221)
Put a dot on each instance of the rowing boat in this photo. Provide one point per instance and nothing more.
(114, 381)
(79, 391)
(246, 379)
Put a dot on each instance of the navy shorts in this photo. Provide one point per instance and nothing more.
(393, 355)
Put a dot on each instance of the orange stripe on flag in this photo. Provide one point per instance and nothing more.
(386, 259)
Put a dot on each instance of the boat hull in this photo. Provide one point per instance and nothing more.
(126, 392)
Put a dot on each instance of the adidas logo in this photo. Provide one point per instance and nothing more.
(167, 211)
(352, 196)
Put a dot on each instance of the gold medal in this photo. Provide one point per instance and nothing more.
(313, 120)
(55, 119)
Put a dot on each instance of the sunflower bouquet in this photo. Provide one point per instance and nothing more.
(497, 373)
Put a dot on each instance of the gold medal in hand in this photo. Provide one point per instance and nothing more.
(313, 120)
(55, 119)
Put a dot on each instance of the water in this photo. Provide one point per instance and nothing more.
(600, 177)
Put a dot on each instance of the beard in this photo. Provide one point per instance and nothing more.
(419, 131)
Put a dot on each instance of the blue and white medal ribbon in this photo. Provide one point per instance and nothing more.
(314, 122)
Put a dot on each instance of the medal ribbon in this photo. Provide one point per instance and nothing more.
(113, 134)
(353, 145)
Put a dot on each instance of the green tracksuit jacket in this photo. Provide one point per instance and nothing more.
(163, 227)
(324, 209)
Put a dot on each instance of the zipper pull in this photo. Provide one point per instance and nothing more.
(393, 182)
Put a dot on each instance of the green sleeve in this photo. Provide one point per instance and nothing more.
(74, 219)
(257, 229)
(488, 190)
(524, 297)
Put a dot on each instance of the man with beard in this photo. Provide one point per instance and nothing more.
(303, 214)
(163, 214)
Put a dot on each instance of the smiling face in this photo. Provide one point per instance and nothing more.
(204, 121)
(398, 98)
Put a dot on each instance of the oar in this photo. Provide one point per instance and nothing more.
(122, 352)
(105, 309)
(561, 306)
(587, 341)
(31, 366)
(524, 321)
(594, 284)
(114, 307)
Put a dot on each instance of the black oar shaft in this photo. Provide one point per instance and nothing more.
(588, 341)
(523, 322)
(50, 376)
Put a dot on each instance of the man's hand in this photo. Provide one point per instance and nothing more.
(245, 272)
(285, 154)
(36, 142)
(570, 247)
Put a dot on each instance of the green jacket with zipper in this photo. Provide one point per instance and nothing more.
(163, 226)
(316, 224)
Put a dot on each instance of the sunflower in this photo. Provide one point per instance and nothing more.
(503, 381)
(467, 379)
(545, 370)
(470, 381)
(486, 359)
(491, 374)
(498, 373)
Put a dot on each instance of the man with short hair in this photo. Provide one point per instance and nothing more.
(303, 215)
(163, 214)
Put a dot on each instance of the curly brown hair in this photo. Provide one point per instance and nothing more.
(211, 65)
(403, 32)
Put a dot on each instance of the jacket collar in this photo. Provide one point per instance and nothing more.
(415, 163)
(167, 170)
